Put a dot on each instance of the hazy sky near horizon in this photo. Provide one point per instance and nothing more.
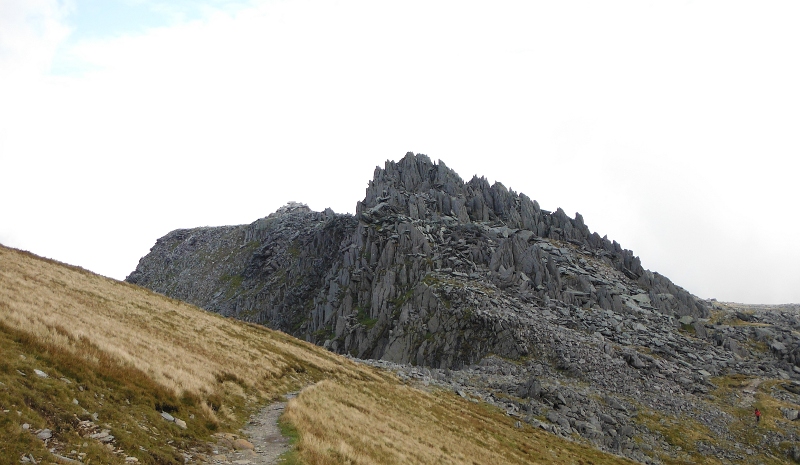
(672, 127)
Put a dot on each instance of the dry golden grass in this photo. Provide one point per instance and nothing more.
(179, 347)
(141, 352)
(368, 422)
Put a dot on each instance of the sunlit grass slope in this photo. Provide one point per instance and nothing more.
(116, 356)
(127, 354)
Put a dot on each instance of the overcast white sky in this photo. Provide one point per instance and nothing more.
(672, 127)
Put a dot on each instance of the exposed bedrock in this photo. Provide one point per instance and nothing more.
(431, 270)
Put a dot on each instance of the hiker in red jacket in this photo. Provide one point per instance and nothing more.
(758, 416)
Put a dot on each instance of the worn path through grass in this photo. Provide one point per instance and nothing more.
(263, 433)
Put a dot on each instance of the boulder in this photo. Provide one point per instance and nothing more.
(634, 360)
(700, 330)
(792, 387)
(243, 444)
(733, 345)
(790, 414)
(531, 388)
(778, 346)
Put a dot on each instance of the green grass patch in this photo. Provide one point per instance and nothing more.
(682, 432)
(324, 334)
(402, 299)
(365, 319)
(290, 457)
(689, 329)
(234, 283)
(294, 250)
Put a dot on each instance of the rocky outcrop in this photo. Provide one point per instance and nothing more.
(263, 272)
(474, 287)
(431, 270)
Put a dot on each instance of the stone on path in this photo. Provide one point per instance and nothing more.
(65, 460)
(240, 444)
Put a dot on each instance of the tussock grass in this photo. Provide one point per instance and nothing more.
(117, 355)
(113, 394)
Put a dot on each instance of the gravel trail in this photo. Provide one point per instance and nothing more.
(262, 433)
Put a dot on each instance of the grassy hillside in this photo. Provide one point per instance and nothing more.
(85, 357)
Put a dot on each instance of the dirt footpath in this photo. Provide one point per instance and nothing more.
(260, 443)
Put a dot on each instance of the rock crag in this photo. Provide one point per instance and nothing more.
(431, 270)
(475, 288)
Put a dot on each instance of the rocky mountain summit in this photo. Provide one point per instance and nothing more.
(475, 287)
(431, 270)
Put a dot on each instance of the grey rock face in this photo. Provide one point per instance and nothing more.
(431, 270)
